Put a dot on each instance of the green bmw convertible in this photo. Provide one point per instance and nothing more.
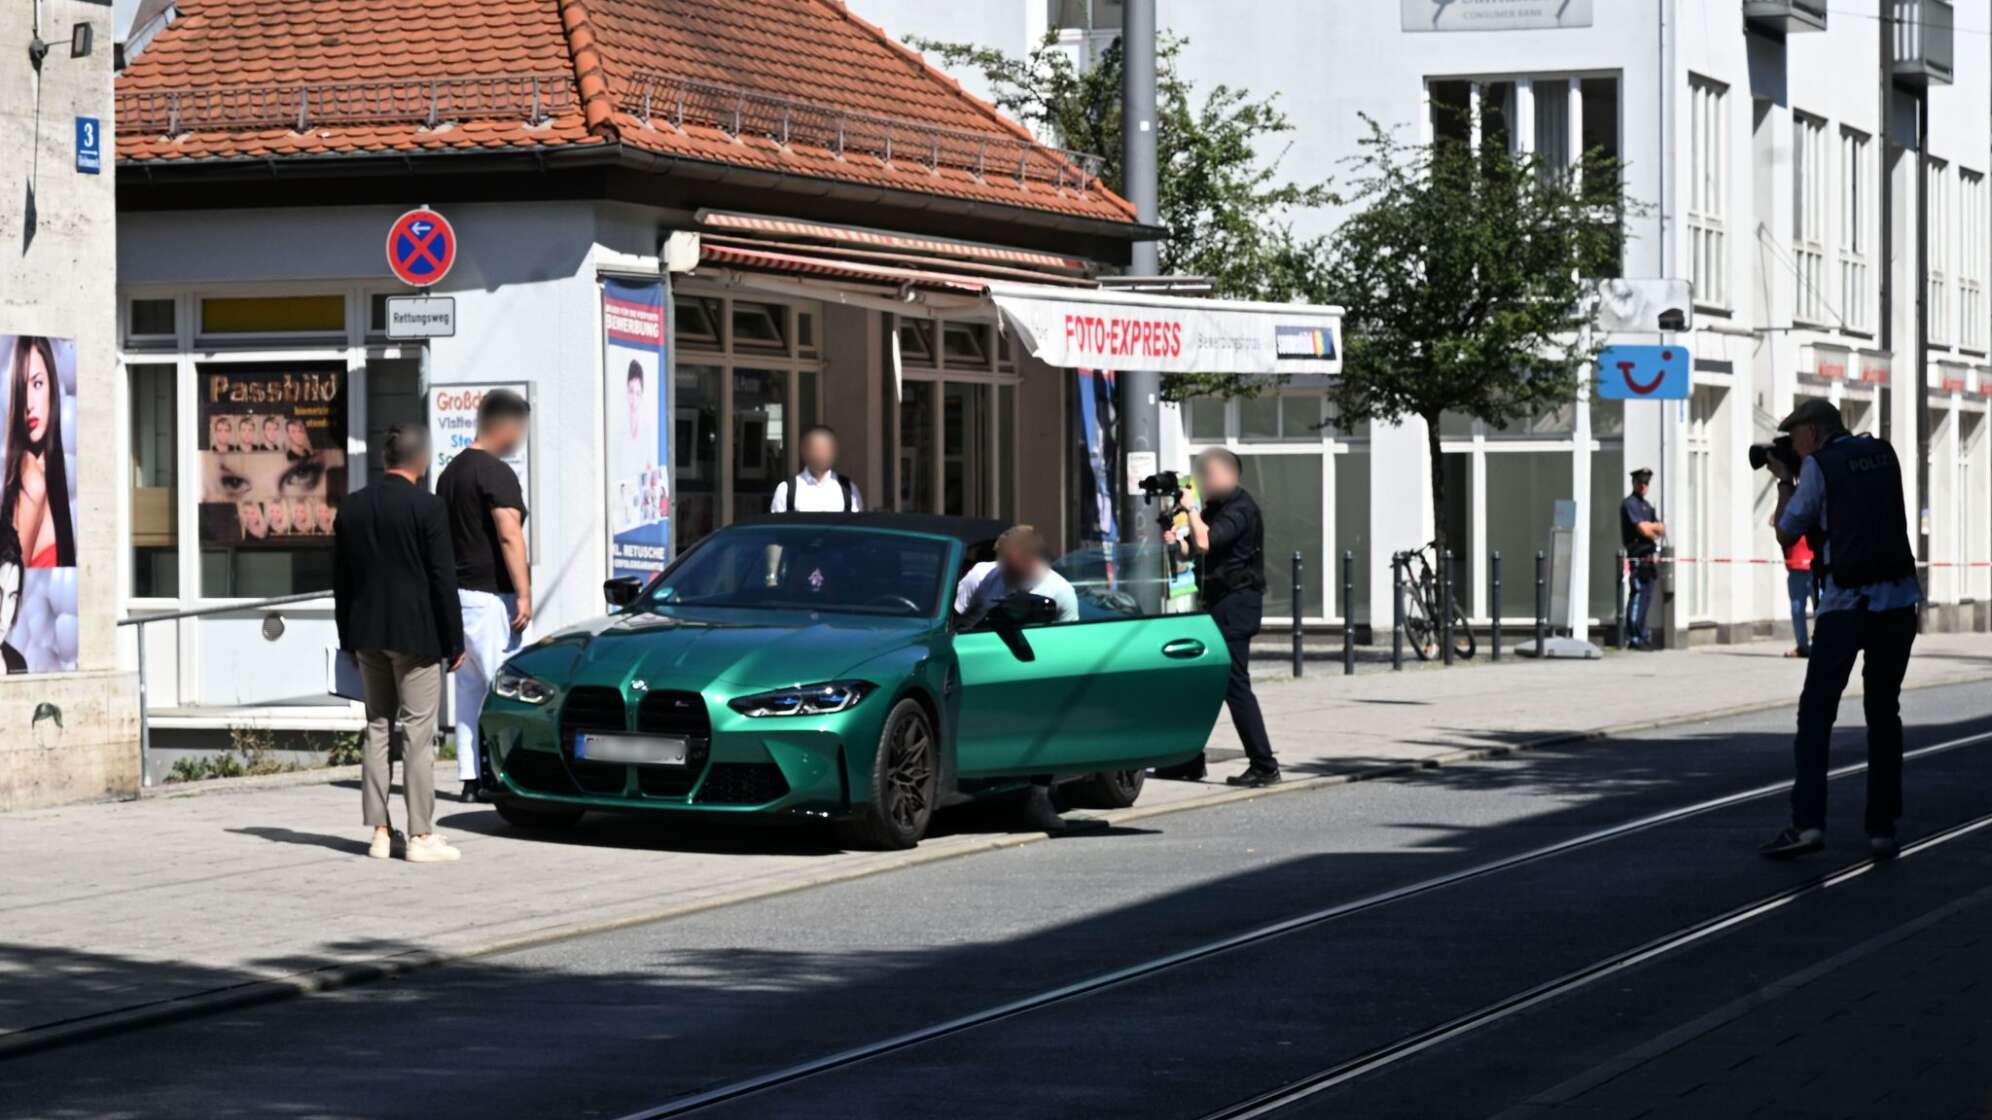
(812, 664)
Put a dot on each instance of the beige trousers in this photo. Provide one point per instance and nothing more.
(402, 689)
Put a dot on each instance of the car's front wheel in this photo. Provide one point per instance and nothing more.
(520, 814)
(905, 781)
(1108, 789)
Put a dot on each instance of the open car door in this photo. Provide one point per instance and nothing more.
(1109, 694)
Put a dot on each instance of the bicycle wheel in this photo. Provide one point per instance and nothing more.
(1462, 634)
(1421, 622)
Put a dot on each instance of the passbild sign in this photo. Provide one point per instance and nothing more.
(1105, 330)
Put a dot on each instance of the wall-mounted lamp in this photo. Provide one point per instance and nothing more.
(80, 38)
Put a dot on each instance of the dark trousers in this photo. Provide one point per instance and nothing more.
(1638, 600)
(1885, 637)
(1237, 616)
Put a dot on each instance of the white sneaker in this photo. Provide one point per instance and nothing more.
(431, 849)
(382, 845)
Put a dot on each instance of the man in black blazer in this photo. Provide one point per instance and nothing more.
(395, 598)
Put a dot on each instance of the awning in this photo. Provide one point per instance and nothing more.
(1072, 326)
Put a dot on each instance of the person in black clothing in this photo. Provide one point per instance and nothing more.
(487, 509)
(395, 603)
(1230, 535)
(1640, 531)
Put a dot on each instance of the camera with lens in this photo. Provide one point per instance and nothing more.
(1166, 485)
(1779, 449)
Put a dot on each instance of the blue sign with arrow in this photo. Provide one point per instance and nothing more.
(1643, 373)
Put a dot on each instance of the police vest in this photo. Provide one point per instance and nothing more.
(1867, 532)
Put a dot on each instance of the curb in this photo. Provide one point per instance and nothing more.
(252, 993)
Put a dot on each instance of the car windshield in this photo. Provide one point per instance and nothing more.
(810, 568)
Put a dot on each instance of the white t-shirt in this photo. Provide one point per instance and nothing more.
(984, 586)
(814, 495)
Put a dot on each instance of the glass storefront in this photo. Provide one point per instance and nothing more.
(957, 429)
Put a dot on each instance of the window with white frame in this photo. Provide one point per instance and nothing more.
(1971, 259)
(1708, 190)
(1808, 216)
(1856, 189)
(1936, 296)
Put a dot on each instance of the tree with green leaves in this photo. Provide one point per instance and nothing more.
(1220, 193)
(1467, 279)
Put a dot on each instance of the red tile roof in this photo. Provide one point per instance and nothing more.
(801, 87)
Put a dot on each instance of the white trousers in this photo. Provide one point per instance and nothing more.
(488, 638)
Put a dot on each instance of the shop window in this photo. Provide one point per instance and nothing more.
(1085, 15)
(155, 515)
(696, 321)
(1455, 425)
(1288, 490)
(1006, 449)
(1300, 417)
(1523, 488)
(152, 320)
(1609, 486)
(916, 446)
(1458, 514)
(1552, 126)
(916, 342)
(273, 472)
(1452, 110)
(1607, 418)
(394, 396)
(966, 448)
(1352, 529)
(1497, 114)
(808, 406)
(805, 332)
(965, 346)
(273, 315)
(695, 452)
(759, 326)
(1207, 419)
(760, 438)
(1259, 418)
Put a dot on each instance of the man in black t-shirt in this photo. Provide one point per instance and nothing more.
(494, 584)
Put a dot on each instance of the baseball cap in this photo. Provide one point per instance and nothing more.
(1814, 410)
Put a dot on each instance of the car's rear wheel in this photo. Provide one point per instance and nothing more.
(1108, 789)
(520, 814)
(905, 780)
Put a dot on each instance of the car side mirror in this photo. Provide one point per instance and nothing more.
(1014, 612)
(622, 590)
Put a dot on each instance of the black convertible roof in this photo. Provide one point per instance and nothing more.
(968, 530)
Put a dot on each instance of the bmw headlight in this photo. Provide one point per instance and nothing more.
(823, 699)
(514, 685)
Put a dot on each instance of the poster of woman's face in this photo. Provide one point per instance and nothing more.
(38, 624)
(279, 480)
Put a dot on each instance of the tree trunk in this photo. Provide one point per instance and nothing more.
(1439, 542)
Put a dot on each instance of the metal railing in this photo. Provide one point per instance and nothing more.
(531, 98)
(139, 623)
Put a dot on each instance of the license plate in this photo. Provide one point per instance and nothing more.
(641, 750)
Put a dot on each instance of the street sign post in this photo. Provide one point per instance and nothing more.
(421, 247)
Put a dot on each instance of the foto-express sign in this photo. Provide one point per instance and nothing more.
(1173, 335)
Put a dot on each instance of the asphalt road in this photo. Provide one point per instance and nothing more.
(612, 1024)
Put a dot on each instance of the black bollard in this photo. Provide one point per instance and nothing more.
(1542, 604)
(1445, 605)
(1396, 613)
(1619, 587)
(1299, 603)
(1348, 613)
(1494, 599)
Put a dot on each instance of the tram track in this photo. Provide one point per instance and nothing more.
(1405, 1046)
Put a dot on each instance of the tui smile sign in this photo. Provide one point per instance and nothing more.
(1643, 373)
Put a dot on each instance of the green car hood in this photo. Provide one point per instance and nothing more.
(745, 649)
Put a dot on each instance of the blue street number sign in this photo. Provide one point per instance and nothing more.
(1643, 373)
(89, 146)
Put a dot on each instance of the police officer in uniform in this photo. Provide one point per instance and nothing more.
(1640, 531)
(1848, 505)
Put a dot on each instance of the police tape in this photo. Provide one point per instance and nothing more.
(1626, 563)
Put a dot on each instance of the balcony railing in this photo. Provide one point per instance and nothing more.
(1924, 42)
(1785, 16)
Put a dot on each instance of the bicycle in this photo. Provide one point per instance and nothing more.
(1421, 606)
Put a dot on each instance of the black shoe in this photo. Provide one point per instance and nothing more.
(1792, 842)
(471, 789)
(1884, 847)
(1040, 815)
(1254, 778)
(1195, 770)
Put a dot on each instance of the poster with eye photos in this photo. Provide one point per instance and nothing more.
(273, 454)
(38, 525)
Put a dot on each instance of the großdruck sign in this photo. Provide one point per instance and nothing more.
(1494, 15)
(1116, 331)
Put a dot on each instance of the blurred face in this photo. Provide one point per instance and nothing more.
(326, 515)
(1020, 562)
(300, 516)
(635, 398)
(1639, 484)
(1806, 439)
(273, 433)
(503, 437)
(37, 410)
(278, 516)
(299, 436)
(1216, 477)
(221, 434)
(253, 524)
(819, 452)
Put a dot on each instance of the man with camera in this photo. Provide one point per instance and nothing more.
(1848, 505)
(1640, 530)
(1782, 461)
(1230, 536)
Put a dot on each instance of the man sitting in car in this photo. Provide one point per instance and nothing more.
(1019, 566)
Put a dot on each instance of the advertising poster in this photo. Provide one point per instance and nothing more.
(637, 395)
(453, 427)
(273, 454)
(38, 505)
(1099, 502)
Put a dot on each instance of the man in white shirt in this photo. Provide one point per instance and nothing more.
(1019, 566)
(819, 488)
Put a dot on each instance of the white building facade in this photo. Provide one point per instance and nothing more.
(1782, 153)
